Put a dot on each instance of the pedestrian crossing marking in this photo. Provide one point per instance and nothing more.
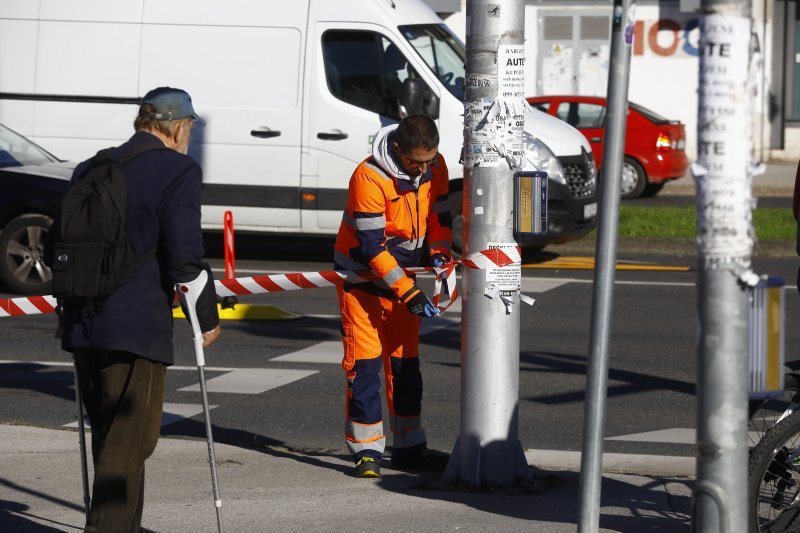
(172, 412)
(670, 436)
(540, 285)
(588, 263)
(251, 380)
(436, 323)
(328, 352)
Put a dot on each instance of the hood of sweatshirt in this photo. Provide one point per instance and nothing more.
(384, 155)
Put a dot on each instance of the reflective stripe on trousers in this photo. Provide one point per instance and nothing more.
(380, 333)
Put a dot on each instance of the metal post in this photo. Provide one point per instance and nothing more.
(724, 248)
(605, 270)
(488, 450)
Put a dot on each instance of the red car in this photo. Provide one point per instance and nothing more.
(654, 145)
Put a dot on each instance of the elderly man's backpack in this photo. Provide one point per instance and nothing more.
(92, 255)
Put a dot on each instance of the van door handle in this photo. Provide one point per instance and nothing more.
(265, 133)
(596, 139)
(334, 135)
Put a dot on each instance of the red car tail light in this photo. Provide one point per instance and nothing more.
(663, 142)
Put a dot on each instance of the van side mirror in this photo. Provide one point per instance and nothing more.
(415, 98)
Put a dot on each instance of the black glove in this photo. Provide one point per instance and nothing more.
(419, 304)
(438, 259)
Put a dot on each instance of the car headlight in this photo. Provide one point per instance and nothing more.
(539, 157)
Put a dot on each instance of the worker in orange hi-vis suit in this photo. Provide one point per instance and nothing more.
(397, 215)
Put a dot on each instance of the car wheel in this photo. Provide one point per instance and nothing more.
(634, 180)
(652, 189)
(22, 269)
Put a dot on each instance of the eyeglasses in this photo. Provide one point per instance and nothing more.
(417, 164)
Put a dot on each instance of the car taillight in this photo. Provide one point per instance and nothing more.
(663, 141)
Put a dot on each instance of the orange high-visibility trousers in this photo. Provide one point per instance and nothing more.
(380, 333)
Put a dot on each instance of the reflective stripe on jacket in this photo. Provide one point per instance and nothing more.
(387, 222)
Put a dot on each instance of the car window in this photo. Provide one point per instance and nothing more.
(541, 106)
(16, 150)
(581, 114)
(652, 116)
(366, 70)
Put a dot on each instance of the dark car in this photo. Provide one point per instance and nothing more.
(654, 145)
(32, 182)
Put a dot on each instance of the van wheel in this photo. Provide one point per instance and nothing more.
(22, 268)
(634, 179)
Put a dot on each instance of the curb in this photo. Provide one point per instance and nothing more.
(688, 189)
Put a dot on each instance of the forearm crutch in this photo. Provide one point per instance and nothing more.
(87, 501)
(189, 294)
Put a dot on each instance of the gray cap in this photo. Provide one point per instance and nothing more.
(171, 104)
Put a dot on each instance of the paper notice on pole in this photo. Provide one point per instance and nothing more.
(511, 71)
(480, 118)
(507, 279)
(511, 104)
(724, 218)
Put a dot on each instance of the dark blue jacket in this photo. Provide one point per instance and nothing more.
(163, 214)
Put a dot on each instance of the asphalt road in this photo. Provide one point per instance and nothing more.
(651, 391)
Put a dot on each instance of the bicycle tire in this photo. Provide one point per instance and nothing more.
(763, 414)
(774, 479)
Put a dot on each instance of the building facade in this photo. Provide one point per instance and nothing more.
(569, 43)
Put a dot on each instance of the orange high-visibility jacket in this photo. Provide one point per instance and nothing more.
(388, 221)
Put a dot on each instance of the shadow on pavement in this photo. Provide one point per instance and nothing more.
(14, 516)
(628, 507)
(53, 381)
(256, 442)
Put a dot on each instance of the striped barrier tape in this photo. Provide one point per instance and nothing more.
(445, 277)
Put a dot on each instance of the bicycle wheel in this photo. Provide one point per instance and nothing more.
(774, 479)
(764, 414)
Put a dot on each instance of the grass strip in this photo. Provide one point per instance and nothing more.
(772, 224)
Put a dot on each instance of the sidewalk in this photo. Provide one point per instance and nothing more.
(778, 180)
(281, 490)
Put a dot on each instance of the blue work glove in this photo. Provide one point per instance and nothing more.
(439, 259)
(419, 304)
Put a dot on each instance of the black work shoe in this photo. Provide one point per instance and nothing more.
(419, 458)
(367, 467)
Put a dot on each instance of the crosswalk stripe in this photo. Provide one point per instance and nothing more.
(173, 412)
(328, 352)
(251, 380)
(671, 436)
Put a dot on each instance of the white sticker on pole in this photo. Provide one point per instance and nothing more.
(507, 279)
(511, 103)
(724, 229)
(511, 71)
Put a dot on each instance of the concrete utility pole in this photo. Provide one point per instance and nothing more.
(724, 247)
(605, 270)
(488, 450)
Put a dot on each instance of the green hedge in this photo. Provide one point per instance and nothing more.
(771, 224)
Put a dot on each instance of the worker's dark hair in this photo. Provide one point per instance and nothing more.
(417, 131)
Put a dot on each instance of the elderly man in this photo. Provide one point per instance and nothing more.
(123, 343)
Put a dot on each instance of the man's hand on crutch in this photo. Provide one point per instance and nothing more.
(209, 337)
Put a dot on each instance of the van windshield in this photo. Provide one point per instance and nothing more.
(442, 51)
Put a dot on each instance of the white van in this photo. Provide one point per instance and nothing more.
(291, 92)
